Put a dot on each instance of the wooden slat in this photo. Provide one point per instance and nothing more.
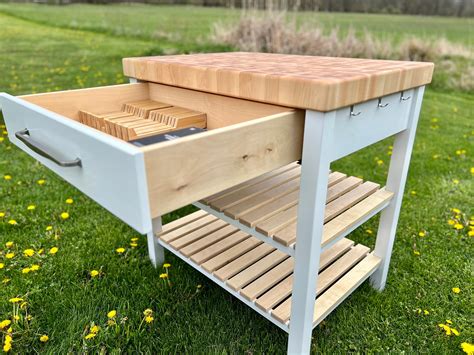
(243, 261)
(251, 182)
(335, 177)
(326, 278)
(181, 222)
(259, 200)
(253, 217)
(208, 240)
(287, 235)
(188, 228)
(342, 187)
(344, 287)
(241, 195)
(230, 254)
(277, 222)
(267, 280)
(219, 247)
(349, 199)
(197, 234)
(352, 216)
(255, 270)
(284, 289)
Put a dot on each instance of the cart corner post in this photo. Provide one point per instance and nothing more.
(317, 142)
(156, 252)
(396, 179)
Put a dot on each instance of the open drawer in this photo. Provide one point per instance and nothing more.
(244, 139)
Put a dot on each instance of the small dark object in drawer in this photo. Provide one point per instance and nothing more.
(166, 136)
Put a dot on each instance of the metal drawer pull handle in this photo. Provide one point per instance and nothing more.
(381, 105)
(404, 98)
(24, 136)
(354, 113)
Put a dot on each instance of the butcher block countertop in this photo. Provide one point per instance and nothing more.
(308, 82)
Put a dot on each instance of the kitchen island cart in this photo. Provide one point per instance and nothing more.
(260, 133)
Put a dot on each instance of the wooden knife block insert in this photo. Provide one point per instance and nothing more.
(142, 119)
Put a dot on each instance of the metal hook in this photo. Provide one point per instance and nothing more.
(381, 105)
(354, 113)
(403, 98)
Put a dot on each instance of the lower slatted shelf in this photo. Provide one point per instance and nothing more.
(259, 274)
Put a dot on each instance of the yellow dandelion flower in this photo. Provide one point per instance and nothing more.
(112, 314)
(41, 182)
(426, 312)
(12, 222)
(48, 228)
(166, 265)
(5, 323)
(421, 234)
(416, 252)
(35, 267)
(413, 192)
(455, 331)
(451, 222)
(9, 255)
(455, 181)
(2, 214)
(2, 265)
(456, 210)
(449, 321)
(456, 289)
(64, 215)
(94, 273)
(7, 347)
(472, 170)
(28, 252)
(147, 312)
(95, 329)
(6, 280)
(41, 251)
(163, 276)
(458, 226)
(7, 177)
(134, 239)
(44, 338)
(23, 305)
(467, 348)
(470, 233)
(26, 270)
(31, 208)
(149, 319)
(15, 300)
(133, 245)
(369, 231)
(53, 250)
(9, 244)
(379, 162)
(90, 336)
(120, 250)
(69, 201)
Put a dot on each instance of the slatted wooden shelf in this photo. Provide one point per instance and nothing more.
(259, 274)
(266, 206)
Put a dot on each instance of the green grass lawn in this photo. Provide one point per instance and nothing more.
(55, 48)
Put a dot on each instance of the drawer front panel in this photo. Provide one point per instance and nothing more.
(370, 122)
(111, 172)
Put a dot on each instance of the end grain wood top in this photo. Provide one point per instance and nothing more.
(308, 82)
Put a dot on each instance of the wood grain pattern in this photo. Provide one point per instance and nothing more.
(308, 82)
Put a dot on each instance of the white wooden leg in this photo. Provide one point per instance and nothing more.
(318, 139)
(155, 251)
(396, 179)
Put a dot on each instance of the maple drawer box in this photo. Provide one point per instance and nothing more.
(140, 183)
